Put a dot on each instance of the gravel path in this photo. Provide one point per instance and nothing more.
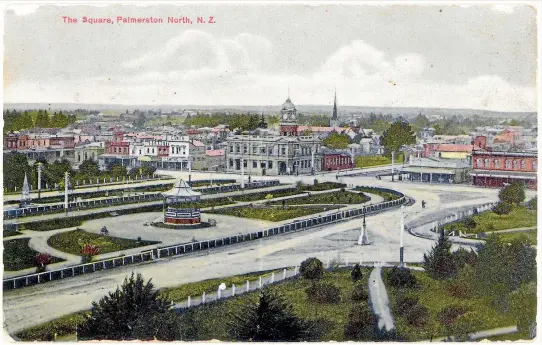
(380, 300)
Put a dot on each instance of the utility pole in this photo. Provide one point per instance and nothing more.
(40, 165)
(66, 182)
(392, 166)
(402, 229)
(242, 173)
(189, 169)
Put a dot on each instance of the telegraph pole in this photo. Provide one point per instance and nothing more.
(392, 165)
(242, 173)
(40, 165)
(402, 229)
(66, 182)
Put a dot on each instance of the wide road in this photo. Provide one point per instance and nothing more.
(33, 305)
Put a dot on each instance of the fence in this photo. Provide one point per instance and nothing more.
(185, 248)
(424, 230)
(237, 187)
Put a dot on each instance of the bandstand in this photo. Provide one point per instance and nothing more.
(179, 205)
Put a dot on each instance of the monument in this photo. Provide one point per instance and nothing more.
(363, 239)
(25, 192)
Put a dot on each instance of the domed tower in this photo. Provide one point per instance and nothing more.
(288, 119)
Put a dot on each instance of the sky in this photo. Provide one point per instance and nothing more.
(442, 56)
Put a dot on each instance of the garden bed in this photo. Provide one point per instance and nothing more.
(72, 241)
(338, 198)
(19, 256)
(272, 214)
(387, 194)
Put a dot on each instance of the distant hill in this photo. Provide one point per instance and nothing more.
(308, 109)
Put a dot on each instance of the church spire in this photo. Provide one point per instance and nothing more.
(334, 118)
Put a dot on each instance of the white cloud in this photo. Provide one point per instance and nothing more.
(197, 68)
(506, 8)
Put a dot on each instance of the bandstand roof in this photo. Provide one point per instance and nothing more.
(181, 190)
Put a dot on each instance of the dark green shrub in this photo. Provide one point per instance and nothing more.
(405, 303)
(401, 278)
(359, 293)
(514, 193)
(449, 314)
(532, 204)
(418, 315)
(323, 293)
(356, 273)
(361, 323)
(502, 208)
(312, 269)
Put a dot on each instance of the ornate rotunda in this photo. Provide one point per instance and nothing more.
(179, 205)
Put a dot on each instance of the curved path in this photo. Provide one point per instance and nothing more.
(380, 300)
(33, 305)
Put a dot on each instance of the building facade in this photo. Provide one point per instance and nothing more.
(496, 169)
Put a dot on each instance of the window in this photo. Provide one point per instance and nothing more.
(270, 164)
(237, 148)
(283, 150)
(486, 163)
(507, 164)
(534, 165)
(262, 149)
(245, 163)
(254, 164)
(523, 164)
(231, 148)
(244, 148)
(262, 165)
(231, 161)
(479, 162)
(515, 164)
(254, 149)
(497, 163)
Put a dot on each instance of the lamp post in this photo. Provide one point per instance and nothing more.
(402, 230)
(392, 166)
(40, 165)
(66, 182)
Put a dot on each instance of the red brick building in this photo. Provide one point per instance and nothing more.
(495, 169)
(118, 146)
(335, 160)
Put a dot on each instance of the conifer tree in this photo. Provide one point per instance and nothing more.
(440, 263)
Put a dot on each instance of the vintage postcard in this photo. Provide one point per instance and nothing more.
(270, 171)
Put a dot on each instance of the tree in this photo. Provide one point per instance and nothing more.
(502, 208)
(117, 170)
(89, 168)
(514, 193)
(401, 277)
(356, 273)
(14, 168)
(324, 293)
(42, 260)
(270, 319)
(359, 293)
(522, 305)
(470, 224)
(418, 315)
(312, 269)
(532, 204)
(439, 263)
(467, 323)
(117, 315)
(361, 323)
(337, 141)
(397, 135)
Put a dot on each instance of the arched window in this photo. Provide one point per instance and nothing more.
(515, 164)
(497, 163)
(507, 164)
(523, 164)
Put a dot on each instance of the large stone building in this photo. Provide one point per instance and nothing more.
(286, 154)
(496, 169)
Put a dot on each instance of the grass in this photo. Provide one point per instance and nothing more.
(212, 317)
(370, 161)
(262, 196)
(328, 198)
(519, 217)
(18, 255)
(387, 196)
(434, 295)
(72, 241)
(509, 236)
(272, 214)
(206, 183)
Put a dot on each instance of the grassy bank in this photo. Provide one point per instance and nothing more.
(434, 295)
(72, 241)
(18, 255)
(519, 217)
(510, 236)
(371, 161)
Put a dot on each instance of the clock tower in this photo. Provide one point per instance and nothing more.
(288, 119)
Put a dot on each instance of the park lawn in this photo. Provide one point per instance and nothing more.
(9, 233)
(72, 241)
(509, 236)
(434, 295)
(519, 217)
(338, 198)
(272, 214)
(262, 195)
(18, 255)
(212, 318)
(387, 196)
(371, 161)
(181, 292)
